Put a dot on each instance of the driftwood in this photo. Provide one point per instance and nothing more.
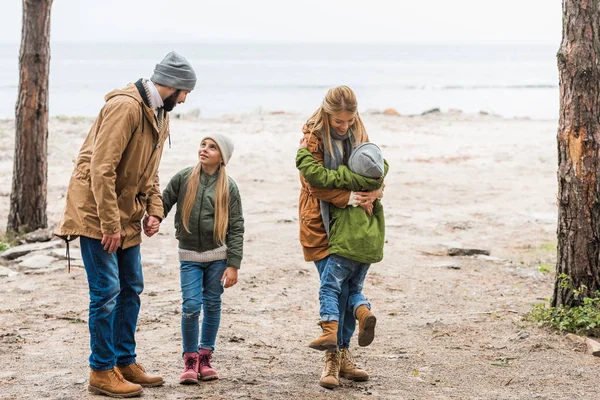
(593, 347)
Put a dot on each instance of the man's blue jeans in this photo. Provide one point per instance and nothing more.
(340, 272)
(115, 283)
(347, 322)
(201, 288)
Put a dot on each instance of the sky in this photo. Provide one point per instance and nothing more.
(325, 21)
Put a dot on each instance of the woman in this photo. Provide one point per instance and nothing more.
(333, 130)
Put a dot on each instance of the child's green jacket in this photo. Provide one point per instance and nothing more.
(352, 233)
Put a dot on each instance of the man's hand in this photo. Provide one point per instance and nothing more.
(111, 242)
(151, 225)
(230, 277)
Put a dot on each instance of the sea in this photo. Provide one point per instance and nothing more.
(511, 80)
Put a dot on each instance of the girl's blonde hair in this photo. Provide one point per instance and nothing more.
(337, 99)
(221, 201)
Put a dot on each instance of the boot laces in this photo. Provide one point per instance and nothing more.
(117, 375)
(332, 363)
(346, 359)
(190, 363)
(139, 366)
(205, 360)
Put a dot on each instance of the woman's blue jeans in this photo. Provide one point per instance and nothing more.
(115, 283)
(201, 289)
(340, 272)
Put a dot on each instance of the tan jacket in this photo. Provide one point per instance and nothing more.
(313, 237)
(115, 180)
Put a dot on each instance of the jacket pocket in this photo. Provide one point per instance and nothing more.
(312, 230)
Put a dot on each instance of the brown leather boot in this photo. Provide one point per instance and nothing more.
(331, 371)
(328, 339)
(111, 383)
(349, 370)
(366, 325)
(136, 373)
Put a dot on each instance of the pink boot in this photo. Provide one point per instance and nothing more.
(190, 368)
(207, 372)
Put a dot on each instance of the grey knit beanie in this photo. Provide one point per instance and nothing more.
(174, 71)
(225, 145)
(367, 160)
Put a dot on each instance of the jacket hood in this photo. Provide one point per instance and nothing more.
(130, 90)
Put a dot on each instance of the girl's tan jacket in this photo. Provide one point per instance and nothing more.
(115, 180)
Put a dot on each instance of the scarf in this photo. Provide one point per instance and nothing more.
(333, 161)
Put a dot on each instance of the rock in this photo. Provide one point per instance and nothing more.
(19, 251)
(493, 259)
(61, 254)
(7, 272)
(431, 111)
(39, 261)
(193, 113)
(46, 270)
(40, 235)
(277, 112)
(458, 251)
(391, 111)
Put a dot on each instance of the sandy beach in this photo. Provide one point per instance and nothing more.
(448, 327)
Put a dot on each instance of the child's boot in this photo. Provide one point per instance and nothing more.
(331, 371)
(349, 370)
(190, 368)
(366, 325)
(207, 372)
(328, 339)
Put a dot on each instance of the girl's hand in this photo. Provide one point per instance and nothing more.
(230, 277)
(304, 143)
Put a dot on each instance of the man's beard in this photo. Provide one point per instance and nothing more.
(170, 102)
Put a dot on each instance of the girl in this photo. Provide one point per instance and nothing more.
(210, 229)
(333, 130)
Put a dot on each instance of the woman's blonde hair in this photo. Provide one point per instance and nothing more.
(337, 99)
(221, 201)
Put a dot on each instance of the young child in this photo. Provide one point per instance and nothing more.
(210, 229)
(354, 235)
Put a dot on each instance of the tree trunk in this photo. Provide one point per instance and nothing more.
(578, 138)
(30, 175)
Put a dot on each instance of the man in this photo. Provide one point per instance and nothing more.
(114, 184)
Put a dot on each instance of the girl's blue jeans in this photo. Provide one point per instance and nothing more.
(201, 289)
(340, 272)
(115, 283)
(347, 322)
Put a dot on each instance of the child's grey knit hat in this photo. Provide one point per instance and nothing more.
(174, 71)
(367, 160)
(225, 145)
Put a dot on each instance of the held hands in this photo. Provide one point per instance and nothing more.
(230, 277)
(365, 200)
(151, 225)
(111, 242)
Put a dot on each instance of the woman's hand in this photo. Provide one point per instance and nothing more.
(230, 277)
(368, 207)
(367, 197)
(303, 143)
